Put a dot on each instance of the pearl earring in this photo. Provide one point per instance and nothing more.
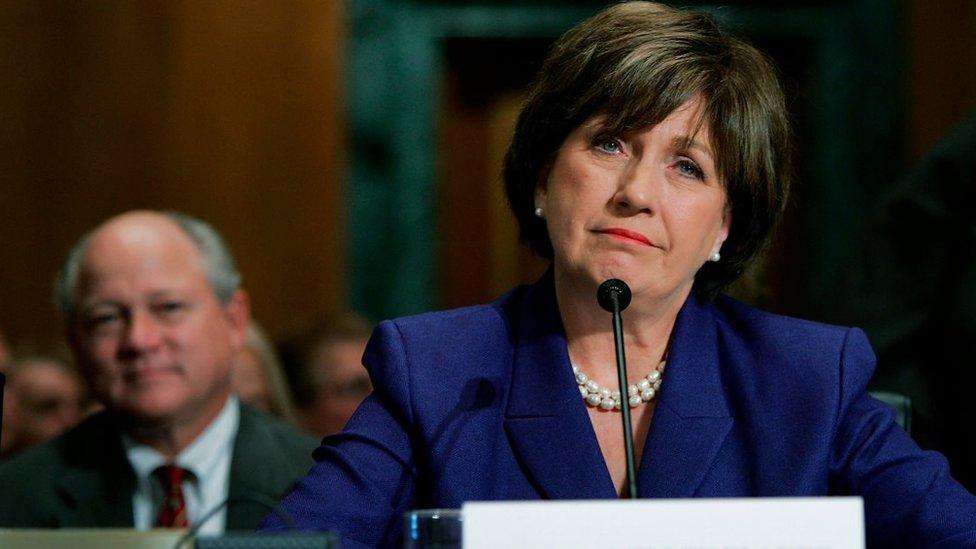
(716, 257)
(539, 213)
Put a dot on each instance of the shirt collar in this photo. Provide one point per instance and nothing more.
(201, 457)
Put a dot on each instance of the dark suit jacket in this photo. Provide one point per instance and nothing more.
(83, 479)
(481, 404)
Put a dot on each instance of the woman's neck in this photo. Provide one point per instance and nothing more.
(647, 327)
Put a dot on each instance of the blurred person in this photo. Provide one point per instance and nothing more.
(4, 357)
(155, 316)
(258, 379)
(43, 398)
(4, 353)
(912, 285)
(324, 364)
(654, 148)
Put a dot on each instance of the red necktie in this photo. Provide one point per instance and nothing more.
(172, 513)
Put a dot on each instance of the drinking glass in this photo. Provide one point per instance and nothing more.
(432, 529)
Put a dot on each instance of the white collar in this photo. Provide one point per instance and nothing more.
(201, 456)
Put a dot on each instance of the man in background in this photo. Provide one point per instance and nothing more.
(155, 316)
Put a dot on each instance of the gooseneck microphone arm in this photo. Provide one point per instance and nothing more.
(614, 296)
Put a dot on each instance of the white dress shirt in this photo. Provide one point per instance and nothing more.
(207, 459)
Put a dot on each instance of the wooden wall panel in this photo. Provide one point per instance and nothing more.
(940, 78)
(231, 111)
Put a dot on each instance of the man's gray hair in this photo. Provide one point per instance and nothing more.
(218, 262)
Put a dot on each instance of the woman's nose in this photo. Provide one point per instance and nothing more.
(637, 190)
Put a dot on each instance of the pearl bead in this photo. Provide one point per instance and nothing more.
(637, 393)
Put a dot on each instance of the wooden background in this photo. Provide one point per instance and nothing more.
(227, 110)
(234, 111)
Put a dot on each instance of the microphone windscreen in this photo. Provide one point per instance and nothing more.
(614, 286)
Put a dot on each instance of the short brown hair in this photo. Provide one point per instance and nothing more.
(299, 350)
(635, 63)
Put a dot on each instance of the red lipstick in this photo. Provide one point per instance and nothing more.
(629, 235)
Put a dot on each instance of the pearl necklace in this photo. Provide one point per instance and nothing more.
(643, 391)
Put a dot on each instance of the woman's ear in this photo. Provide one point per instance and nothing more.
(540, 199)
(723, 232)
(542, 186)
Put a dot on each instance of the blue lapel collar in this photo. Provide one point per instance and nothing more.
(546, 421)
(692, 416)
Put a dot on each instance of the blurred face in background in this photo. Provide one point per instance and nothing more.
(342, 383)
(43, 398)
(249, 381)
(4, 353)
(156, 344)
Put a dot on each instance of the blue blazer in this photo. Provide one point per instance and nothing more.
(480, 403)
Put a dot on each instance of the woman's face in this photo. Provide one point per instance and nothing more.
(647, 207)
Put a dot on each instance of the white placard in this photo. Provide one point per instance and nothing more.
(742, 523)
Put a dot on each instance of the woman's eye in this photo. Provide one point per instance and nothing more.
(607, 144)
(689, 168)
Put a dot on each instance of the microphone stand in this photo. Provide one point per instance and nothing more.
(610, 295)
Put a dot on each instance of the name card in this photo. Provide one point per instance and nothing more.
(739, 523)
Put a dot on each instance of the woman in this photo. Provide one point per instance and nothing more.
(654, 149)
(258, 378)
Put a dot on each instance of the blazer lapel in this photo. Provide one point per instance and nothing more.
(97, 482)
(546, 422)
(692, 416)
(250, 474)
(261, 472)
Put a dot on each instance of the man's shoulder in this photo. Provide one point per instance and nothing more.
(270, 456)
(274, 441)
(30, 480)
(22, 467)
(74, 447)
(290, 439)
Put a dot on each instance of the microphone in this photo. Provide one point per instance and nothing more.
(614, 296)
(613, 293)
